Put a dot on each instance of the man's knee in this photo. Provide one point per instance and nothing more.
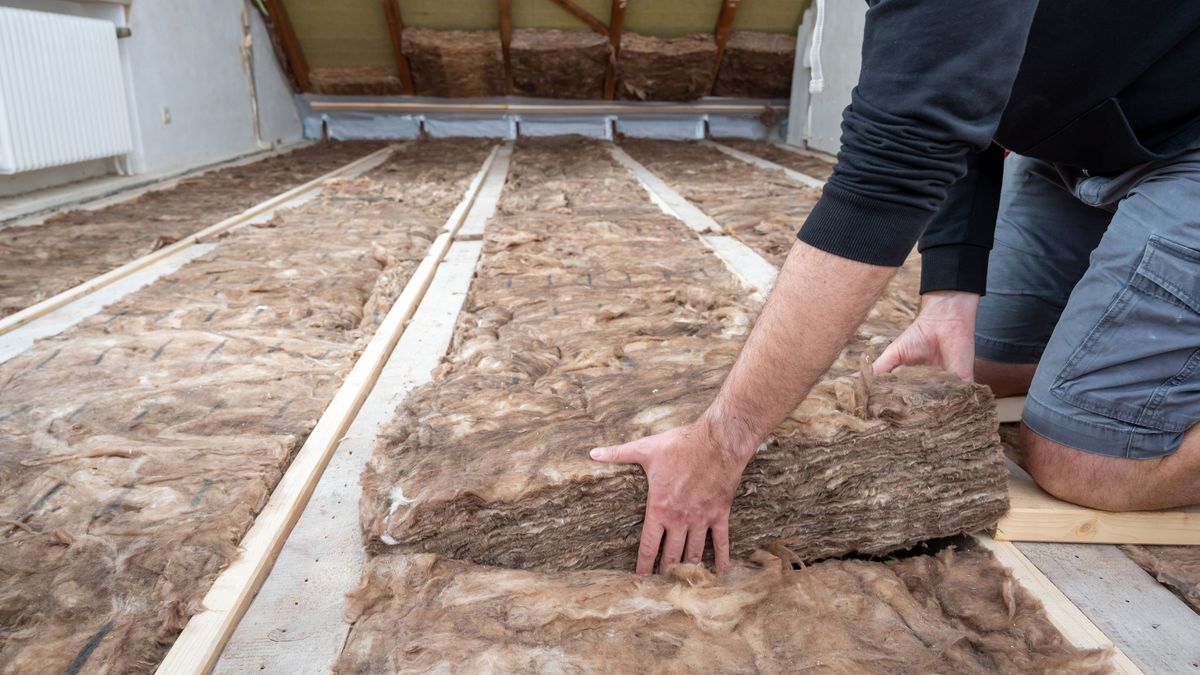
(1005, 379)
(1077, 477)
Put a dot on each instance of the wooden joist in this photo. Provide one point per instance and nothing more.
(1009, 408)
(200, 644)
(583, 15)
(291, 45)
(616, 25)
(506, 43)
(1037, 516)
(721, 36)
(395, 26)
(766, 164)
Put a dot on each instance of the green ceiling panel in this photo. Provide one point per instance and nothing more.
(352, 33)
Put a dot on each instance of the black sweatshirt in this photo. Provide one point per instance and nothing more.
(1091, 84)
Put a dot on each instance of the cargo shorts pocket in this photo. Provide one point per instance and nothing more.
(1140, 363)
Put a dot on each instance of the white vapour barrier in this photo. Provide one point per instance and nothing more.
(589, 125)
(62, 93)
(362, 126)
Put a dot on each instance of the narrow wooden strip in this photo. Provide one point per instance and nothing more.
(281, 200)
(291, 45)
(583, 15)
(391, 14)
(721, 36)
(616, 25)
(201, 642)
(804, 152)
(666, 198)
(1009, 408)
(1076, 627)
(766, 164)
(1037, 516)
(564, 108)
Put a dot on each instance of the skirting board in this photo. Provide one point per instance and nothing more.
(1071, 622)
(200, 644)
(1036, 516)
(54, 302)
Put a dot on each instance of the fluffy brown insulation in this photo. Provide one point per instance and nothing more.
(1176, 567)
(68, 249)
(366, 81)
(140, 444)
(757, 65)
(453, 63)
(664, 69)
(764, 209)
(953, 613)
(813, 166)
(595, 320)
(559, 63)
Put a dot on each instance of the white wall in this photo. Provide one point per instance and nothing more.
(818, 116)
(186, 56)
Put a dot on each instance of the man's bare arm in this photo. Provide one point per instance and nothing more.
(818, 301)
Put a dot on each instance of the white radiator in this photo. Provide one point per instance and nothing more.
(62, 98)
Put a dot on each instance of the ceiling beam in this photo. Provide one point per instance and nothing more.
(616, 24)
(721, 37)
(291, 46)
(391, 12)
(505, 42)
(583, 15)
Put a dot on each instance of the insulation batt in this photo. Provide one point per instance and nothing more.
(950, 613)
(757, 65)
(455, 63)
(565, 64)
(1176, 567)
(139, 445)
(364, 81)
(813, 166)
(664, 69)
(594, 320)
(70, 248)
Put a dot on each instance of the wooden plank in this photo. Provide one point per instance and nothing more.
(201, 642)
(583, 15)
(616, 25)
(74, 293)
(291, 45)
(391, 14)
(303, 599)
(506, 42)
(1076, 627)
(1155, 629)
(805, 152)
(640, 108)
(721, 36)
(1009, 408)
(666, 198)
(761, 163)
(1037, 516)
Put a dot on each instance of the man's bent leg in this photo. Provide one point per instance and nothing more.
(1112, 412)
(1115, 483)
(1005, 379)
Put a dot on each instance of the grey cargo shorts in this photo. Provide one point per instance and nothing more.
(1097, 280)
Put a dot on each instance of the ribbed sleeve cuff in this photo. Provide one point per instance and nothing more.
(863, 228)
(954, 268)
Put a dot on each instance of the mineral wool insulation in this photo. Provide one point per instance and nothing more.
(140, 444)
(595, 319)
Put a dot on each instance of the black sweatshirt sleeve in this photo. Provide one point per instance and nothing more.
(936, 76)
(955, 245)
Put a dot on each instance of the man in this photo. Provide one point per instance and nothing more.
(1093, 293)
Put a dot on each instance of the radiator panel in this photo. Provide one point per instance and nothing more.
(62, 95)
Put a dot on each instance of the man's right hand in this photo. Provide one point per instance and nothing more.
(943, 335)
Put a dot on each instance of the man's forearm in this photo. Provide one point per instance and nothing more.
(818, 301)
